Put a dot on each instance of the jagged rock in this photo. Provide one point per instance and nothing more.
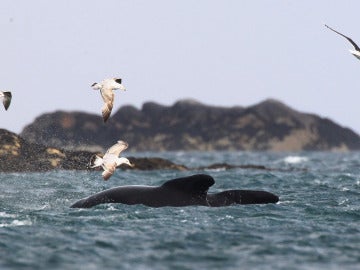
(153, 163)
(226, 166)
(190, 125)
(17, 155)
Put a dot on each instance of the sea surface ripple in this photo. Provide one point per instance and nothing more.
(316, 224)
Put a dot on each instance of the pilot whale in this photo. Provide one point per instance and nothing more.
(184, 191)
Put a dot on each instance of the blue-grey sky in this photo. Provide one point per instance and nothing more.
(225, 53)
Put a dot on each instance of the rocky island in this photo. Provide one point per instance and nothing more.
(67, 140)
(190, 125)
(18, 155)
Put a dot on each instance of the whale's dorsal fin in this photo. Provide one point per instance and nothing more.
(195, 184)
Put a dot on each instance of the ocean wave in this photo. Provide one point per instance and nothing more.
(295, 159)
(6, 215)
(16, 223)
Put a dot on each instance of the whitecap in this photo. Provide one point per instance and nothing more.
(342, 202)
(6, 215)
(285, 202)
(21, 222)
(16, 223)
(220, 169)
(295, 159)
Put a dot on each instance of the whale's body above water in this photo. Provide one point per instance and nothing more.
(184, 191)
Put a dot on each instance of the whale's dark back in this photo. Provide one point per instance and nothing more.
(238, 196)
(197, 184)
(184, 191)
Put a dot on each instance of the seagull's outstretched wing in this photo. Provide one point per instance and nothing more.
(6, 96)
(349, 39)
(117, 148)
(108, 97)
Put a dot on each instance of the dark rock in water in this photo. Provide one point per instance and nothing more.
(153, 163)
(227, 166)
(18, 155)
(190, 125)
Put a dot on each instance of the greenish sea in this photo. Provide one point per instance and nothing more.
(316, 224)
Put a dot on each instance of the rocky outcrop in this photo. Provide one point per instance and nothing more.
(18, 155)
(189, 125)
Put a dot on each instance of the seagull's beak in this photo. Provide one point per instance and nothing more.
(132, 165)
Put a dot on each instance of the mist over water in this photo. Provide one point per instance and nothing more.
(314, 226)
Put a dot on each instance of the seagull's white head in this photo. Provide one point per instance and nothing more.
(118, 84)
(123, 160)
(96, 86)
(121, 87)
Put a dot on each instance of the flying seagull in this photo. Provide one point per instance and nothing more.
(6, 98)
(355, 52)
(106, 88)
(110, 160)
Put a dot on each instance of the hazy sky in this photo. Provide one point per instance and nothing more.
(222, 53)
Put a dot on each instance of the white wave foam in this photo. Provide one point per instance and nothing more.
(16, 223)
(6, 215)
(220, 169)
(295, 159)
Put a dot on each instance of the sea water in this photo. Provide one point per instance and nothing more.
(316, 224)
